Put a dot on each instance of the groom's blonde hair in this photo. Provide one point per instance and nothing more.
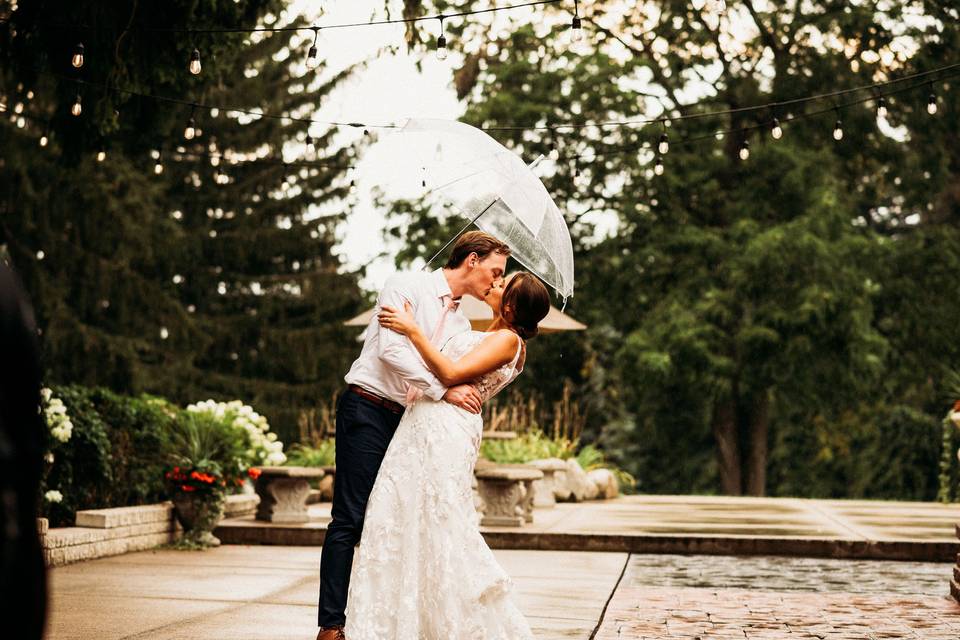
(478, 242)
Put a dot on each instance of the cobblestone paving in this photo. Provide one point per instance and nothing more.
(771, 573)
(707, 598)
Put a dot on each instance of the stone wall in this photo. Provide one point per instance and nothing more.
(109, 532)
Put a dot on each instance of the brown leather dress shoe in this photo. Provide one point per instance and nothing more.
(332, 633)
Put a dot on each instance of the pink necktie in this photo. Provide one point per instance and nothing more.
(449, 304)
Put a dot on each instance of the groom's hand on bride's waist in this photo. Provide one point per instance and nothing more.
(464, 396)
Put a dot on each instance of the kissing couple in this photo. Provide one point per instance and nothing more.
(408, 432)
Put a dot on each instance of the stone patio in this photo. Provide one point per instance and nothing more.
(267, 592)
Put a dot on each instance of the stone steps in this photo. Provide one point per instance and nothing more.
(109, 532)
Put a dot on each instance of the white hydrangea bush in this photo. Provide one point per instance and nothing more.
(55, 415)
(264, 449)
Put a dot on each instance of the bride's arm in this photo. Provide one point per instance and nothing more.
(495, 351)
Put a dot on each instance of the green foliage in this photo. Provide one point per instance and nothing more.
(532, 445)
(322, 454)
(200, 441)
(789, 316)
(82, 469)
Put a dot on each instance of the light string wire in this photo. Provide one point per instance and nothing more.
(321, 27)
(222, 157)
(745, 130)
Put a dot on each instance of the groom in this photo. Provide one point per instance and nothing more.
(388, 372)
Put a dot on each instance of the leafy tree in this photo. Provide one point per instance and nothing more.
(739, 302)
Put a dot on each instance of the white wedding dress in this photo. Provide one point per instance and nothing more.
(423, 571)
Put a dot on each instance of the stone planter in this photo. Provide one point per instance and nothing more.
(545, 490)
(198, 514)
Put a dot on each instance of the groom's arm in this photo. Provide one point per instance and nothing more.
(397, 352)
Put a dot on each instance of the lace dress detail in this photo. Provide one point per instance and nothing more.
(423, 571)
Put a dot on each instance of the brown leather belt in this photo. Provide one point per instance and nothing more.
(390, 405)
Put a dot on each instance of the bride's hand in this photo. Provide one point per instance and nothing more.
(400, 321)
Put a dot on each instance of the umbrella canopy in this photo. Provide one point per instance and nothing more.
(493, 188)
(480, 316)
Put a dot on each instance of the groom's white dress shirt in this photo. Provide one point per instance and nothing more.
(389, 361)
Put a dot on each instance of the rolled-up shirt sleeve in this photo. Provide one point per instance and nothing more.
(397, 352)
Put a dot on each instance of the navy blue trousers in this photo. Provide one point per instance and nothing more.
(364, 430)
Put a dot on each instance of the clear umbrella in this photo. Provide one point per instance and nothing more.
(494, 189)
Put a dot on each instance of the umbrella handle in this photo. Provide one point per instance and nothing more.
(457, 235)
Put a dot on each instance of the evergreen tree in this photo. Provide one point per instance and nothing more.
(125, 265)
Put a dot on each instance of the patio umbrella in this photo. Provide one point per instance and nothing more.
(480, 317)
(492, 187)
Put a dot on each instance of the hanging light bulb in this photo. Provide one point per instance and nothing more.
(576, 28)
(77, 59)
(932, 103)
(442, 47)
(195, 62)
(217, 176)
(776, 130)
(191, 131)
(44, 140)
(658, 167)
(664, 146)
(101, 155)
(881, 108)
(158, 167)
(838, 130)
(313, 59)
(76, 109)
(744, 150)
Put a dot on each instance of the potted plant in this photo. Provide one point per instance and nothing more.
(204, 456)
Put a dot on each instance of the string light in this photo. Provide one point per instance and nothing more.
(932, 102)
(441, 43)
(744, 150)
(664, 145)
(776, 130)
(76, 109)
(194, 65)
(101, 155)
(158, 167)
(44, 139)
(77, 59)
(313, 59)
(576, 28)
(658, 166)
(699, 4)
(191, 131)
(881, 108)
(838, 130)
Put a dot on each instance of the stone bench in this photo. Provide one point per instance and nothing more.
(283, 493)
(545, 490)
(507, 494)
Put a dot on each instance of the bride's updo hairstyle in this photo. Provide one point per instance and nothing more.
(529, 303)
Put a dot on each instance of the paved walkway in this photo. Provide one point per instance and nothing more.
(238, 592)
(696, 524)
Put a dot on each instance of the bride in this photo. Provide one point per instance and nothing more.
(423, 571)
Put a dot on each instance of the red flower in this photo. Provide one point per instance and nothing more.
(253, 472)
(956, 405)
(186, 487)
